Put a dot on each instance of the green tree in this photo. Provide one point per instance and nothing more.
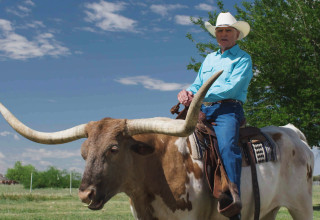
(284, 43)
(55, 178)
(50, 178)
(21, 173)
(65, 178)
(316, 178)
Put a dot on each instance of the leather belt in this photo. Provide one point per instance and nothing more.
(222, 101)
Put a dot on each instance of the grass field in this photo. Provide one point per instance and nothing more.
(57, 204)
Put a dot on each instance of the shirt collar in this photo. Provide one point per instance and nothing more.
(234, 50)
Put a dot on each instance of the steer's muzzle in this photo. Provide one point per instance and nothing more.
(89, 196)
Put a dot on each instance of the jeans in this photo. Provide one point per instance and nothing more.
(228, 117)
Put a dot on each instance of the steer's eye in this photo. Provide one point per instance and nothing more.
(114, 149)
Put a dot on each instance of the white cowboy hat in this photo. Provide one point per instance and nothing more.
(227, 20)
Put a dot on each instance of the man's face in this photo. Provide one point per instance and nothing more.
(226, 37)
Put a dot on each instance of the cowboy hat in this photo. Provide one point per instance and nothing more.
(227, 20)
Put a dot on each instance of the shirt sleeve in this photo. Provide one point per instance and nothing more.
(236, 83)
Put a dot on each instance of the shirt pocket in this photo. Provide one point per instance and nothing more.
(207, 69)
(227, 75)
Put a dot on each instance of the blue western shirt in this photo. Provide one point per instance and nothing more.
(233, 82)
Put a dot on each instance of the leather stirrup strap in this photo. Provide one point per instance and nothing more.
(229, 205)
(221, 180)
(255, 185)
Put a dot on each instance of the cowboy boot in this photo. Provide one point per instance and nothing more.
(236, 217)
(229, 203)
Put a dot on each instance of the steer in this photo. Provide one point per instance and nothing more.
(150, 160)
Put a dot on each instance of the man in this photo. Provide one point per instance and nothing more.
(223, 102)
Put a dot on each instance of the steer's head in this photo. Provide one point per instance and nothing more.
(109, 163)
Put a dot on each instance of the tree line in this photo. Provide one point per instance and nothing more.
(284, 44)
(50, 178)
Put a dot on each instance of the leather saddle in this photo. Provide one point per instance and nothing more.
(251, 140)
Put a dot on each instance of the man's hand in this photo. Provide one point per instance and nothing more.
(185, 97)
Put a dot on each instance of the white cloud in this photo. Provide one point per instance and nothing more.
(105, 16)
(21, 10)
(205, 7)
(29, 2)
(78, 52)
(3, 166)
(41, 154)
(2, 156)
(164, 10)
(24, 9)
(16, 137)
(5, 26)
(153, 84)
(45, 163)
(89, 29)
(15, 46)
(7, 133)
(35, 24)
(183, 20)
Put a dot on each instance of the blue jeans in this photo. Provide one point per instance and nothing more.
(228, 117)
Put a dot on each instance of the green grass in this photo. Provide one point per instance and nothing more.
(57, 204)
(316, 202)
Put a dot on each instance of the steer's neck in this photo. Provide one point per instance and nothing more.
(160, 180)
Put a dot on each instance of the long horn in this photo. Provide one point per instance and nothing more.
(59, 137)
(170, 126)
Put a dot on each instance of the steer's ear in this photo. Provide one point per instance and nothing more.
(142, 148)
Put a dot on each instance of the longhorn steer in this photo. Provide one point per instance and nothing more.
(149, 160)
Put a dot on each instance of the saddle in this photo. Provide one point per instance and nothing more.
(251, 139)
(256, 147)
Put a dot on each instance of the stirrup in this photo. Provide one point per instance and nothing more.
(229, 203)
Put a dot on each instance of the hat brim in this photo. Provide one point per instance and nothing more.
(242, 26)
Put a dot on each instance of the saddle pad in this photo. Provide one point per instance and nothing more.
(264, 149)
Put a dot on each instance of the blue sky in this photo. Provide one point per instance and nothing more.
(65, 63)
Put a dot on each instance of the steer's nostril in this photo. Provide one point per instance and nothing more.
(91, 194)
(87, 195)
